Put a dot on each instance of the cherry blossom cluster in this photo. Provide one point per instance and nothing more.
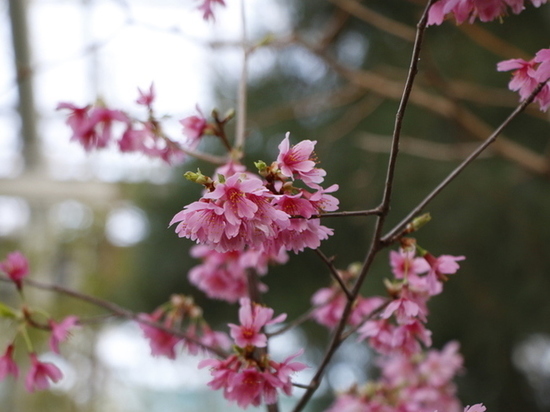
(268, 212)
(250, 376)
(40, 374)
(329, 302)
(400, 327)
(412, 379)
(420, 383)
(470, 10)
(527, 75)
(223, 275)
(182, 313)
(97, 127)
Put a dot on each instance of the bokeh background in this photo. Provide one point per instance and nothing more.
(329, 71)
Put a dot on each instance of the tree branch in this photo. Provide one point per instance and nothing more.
(114, 309)
(397, 231)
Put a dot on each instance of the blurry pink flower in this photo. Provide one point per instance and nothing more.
(40, 374)
(8, 365)
(478, 407)
(440, 367)
(60, 331)
(404, 310)
(246, 387)
(222, 371)
(146, 98)
(406, 338)
(162, 343)
(78, 118)
(194, 128)
(214, 339)
(286, 369)
(253, 318)
(470, 10)
(206, 8)
(16, 267)
(523, 76)
(439, 268)
(404, 264)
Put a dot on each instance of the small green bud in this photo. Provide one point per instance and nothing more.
(418, 222)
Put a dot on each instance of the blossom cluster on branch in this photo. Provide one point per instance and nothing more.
(245, 221)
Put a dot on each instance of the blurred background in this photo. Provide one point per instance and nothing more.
(332, 71)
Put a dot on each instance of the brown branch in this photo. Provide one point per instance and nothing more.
(334, 273)
(397, 231)
(376, 245)
(376, 19)
(419, 147)
(524, 157)
(114, 309)
(296, 322)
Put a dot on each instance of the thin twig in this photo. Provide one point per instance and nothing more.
(334, 272)
(115, 310)
(296, 322)
(243, 84)
(397, 231)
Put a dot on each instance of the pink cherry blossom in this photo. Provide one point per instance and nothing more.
(523, 77)
(286, 369)
(232, 195)
(253, 318)
(247, 381)
(146, 98)
(470, 10)
(60, 331)
(404, 264)
(528, 74)
(194, 128)
(295, 159)
(206, 8)
(439, 367)
(222, 275)
(16, 267)
(92, 126)
(8, 365)
(440, 267)
(330, 303)
(162, 343)
(40, 374)
(478, 407)
(404, 310)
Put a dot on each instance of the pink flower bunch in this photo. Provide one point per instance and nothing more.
(222, 275)
(400, 326)
(39, 375)
(470, 10)
(16, 267)
(246, 378)
(96, 127)
(240, 210)
(527, 75)
(198, 335)
(422, 383)
(329, 303)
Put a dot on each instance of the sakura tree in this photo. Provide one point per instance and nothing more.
(253, 214)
